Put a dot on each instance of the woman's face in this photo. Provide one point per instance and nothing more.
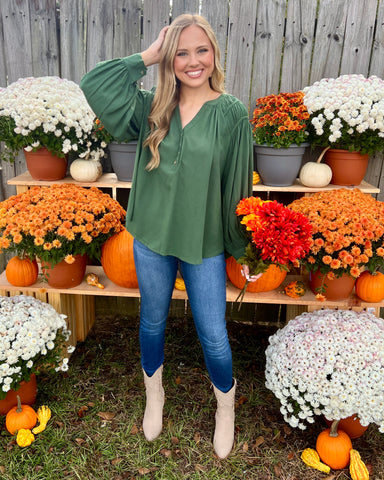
(195, 59)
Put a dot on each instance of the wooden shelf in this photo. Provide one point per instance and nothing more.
(109, 180)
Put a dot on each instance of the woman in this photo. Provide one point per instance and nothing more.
(194, 163)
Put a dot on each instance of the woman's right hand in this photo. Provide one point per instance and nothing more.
(151, 55)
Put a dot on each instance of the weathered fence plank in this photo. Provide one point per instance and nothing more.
(99, 32)
(377, 63)
(44, 38)
(72, 39)
(126, 27)
(297, 54)
(155, 17)
(216, 12)
(268, 46)
(242, 18)
(358, 36)
(328, 48)
(184, 6)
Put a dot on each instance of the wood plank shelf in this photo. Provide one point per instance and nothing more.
(109, 180)
(78, 302)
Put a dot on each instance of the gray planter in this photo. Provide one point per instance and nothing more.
(279, 167)
(123, 159)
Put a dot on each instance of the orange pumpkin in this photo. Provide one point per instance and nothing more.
(117, 260)
(270, 280)
(351, 426)
(21, 272)
(295, 289)
(333, 447)
(20, 416)
(370, 287)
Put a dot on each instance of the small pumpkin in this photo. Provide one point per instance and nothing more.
(271, 279)
(21, 272)
(117, 260)
(86, 170)
(370, 287)
(316, 174)
(20, 416)
(43, 415)
(295, 289)
(93, 279)
(255, 178)
(311, 458)
(357, 467)
(333, 447)
(24, 437)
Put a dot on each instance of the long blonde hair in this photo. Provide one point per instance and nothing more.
(167, 91)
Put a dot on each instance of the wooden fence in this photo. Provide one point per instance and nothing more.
(267, 45)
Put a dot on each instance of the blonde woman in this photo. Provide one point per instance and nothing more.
(194, 163)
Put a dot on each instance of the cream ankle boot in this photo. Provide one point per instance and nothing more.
(153, 415)
(225, 421)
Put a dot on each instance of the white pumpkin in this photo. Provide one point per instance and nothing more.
(316, 174)
(83, 170)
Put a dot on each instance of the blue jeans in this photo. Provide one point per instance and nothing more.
(206, 288)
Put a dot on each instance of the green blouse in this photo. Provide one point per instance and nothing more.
(186, 206)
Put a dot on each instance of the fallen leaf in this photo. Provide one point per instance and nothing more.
(242, 400)
(258, 442)
(116, 461)
(80, 441)
(369, 468)
(199, 468)
(287, 429)
(197, 437)
(59, 424)
(82, 411)
(178, 380)
(277, 469)
(175, 441)
(245, 447)
(106, 415)
(2, 469)
(134, 430)
(291, 456)
(167, 453)
(144, 470)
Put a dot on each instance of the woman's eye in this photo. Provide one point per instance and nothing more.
(180, 54)
(203, 50)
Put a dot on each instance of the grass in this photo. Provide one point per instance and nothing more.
(97, 407)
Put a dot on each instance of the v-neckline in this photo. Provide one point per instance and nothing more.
(196, 114)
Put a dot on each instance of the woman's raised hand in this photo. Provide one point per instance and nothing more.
(151, 55)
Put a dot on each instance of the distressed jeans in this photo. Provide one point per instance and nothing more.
(206, 289)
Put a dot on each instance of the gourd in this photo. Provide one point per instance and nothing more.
(21, 272)
(370, 287)
(311, 458)
(333, 447)
(24, 437)
(351, 426)
(93, 279)
(117, 260)
(20, 416)
(85, 170)
(357, 467)
(295, 289)
(43, 415)
(271, 278)
(316, 174)
(255, 178)
(179, 284)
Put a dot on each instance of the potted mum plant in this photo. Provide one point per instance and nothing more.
(346, 117)
(278, 238)
(330, 363)
(34, 339)
(61, 225)
(49, 118)
(347, 236)
(122, 154)
(279, 126)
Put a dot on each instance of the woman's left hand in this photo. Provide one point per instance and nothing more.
(245, 273)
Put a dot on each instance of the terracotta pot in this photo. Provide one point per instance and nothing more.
(350, 425)
(270, 280)
(27, 393)
(42, 165)
(65, 275)
(337, 289)
(348, 168)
